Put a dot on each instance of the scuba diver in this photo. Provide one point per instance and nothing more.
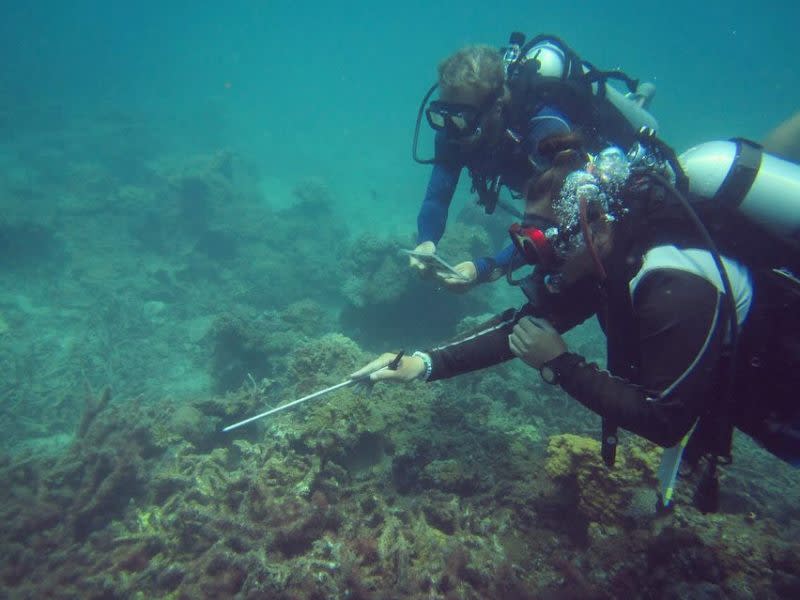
(702, 332)
(496, 113)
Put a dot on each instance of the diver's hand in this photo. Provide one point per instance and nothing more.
(409, 369)
(535, 342)
(467, 281)
(420, 267)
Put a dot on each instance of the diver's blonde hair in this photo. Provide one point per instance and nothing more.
(476, 68)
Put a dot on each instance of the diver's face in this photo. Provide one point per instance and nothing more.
(577, 265)
(489, 122)
(580, 263)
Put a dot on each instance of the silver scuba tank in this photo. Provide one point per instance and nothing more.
(551, 62)
(634, 106)
(739, 175)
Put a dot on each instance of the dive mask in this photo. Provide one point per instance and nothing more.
(533, 240)
(457, 120)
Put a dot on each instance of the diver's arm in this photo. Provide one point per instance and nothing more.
(680, 334)
(484, 348)
(784, 140)
(492, 268)
(490, 345)
(432, 216)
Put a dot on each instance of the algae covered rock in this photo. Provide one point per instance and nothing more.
(466, 242)
(330, 358)
(451, 476)
(604, 495)
(248, 347)
(194, 426)
(377, 272)
(388, 302)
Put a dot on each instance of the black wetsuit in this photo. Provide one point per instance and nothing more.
(665, 349)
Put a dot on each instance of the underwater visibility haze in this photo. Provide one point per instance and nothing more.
(201, 211)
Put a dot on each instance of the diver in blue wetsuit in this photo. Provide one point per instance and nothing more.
(495, 113)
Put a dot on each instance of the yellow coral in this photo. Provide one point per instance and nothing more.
(604, 493)
(564, 451)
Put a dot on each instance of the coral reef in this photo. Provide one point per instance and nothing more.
(416, 492)
(201, 302)
(249, 348)
(605, 495)
(30, 245)
(467, 241)
(387, 301)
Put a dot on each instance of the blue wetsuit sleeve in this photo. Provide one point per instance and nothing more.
(547, 122)
(432, 216)
(503, 260)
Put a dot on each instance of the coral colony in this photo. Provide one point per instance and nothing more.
(199, 301)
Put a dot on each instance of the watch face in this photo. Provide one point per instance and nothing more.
(548, 374)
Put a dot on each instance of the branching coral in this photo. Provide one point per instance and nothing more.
(94, 405)
(314, 504)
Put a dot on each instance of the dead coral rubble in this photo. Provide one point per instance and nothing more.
(393, 495)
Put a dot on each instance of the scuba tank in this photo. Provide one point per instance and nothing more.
(751, 200)
(738, 175)
(569, 82)
(633, 106)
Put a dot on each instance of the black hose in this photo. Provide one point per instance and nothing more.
(712, 247)
(726, 284)
(428, 161)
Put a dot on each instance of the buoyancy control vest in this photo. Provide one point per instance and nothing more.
(547, 72)
(749, 203)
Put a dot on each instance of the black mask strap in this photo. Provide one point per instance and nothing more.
(414, 155)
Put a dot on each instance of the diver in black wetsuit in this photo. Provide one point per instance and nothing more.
(593, 230)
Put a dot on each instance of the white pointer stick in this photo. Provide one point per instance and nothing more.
(392, 365)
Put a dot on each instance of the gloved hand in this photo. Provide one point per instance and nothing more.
(467, 281)
(535, 342)
(416, 264)
(409, 369)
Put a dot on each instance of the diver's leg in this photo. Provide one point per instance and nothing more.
(784, 140)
